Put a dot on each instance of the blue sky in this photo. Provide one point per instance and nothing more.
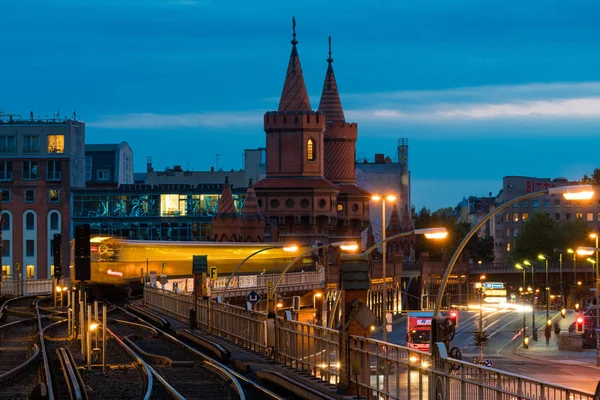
(481, 89)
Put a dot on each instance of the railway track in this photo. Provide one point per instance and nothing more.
(19, 348)
(182, 371)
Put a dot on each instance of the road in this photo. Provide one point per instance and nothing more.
(505, 336)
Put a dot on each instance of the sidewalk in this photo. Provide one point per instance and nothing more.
(541, 351)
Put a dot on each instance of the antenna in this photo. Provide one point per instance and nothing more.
(218, 161)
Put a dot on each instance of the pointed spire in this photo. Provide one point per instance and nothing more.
(407, 224)
(226, 205)
(330, 104)
(251, 209)
(394, 225)
(294, 96)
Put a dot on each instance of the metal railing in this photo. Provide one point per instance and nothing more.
(397, 372)
(309, 348)
(15, 286)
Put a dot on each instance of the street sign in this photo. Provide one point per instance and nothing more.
(253, 297)
(598, 329)
(213, 273)
(488, 363)
(493, 285)
(200, 265)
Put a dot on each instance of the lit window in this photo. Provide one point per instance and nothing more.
(56, 143)
(598, 217)
(31, 144)
(310, 150)
(340, 207)
(173, 205)
(507, 246)
(30, 271)
(516, 217)
(5, 268)
(7, 144)
(578, 215)
(590, 216)
(54, 195)
(103, 175)
(507, 217)
(524, 217)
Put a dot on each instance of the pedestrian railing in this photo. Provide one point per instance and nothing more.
(373, 368)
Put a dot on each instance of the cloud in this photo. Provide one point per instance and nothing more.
(190, 120)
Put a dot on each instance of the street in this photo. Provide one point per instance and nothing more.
(504, 327)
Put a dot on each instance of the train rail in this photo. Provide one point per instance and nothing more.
(183, 371)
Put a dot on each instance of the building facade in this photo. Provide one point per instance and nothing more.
(108, 165)
(41, 161)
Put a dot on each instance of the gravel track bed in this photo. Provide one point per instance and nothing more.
(123, 379)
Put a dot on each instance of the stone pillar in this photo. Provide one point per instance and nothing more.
(357, 319)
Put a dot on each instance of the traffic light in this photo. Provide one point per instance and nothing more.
(579, 325)
(56, 254)
(526, 342)
(454, 318)
(82, 253)
(563, 312)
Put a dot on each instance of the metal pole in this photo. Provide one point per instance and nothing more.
(89, 338)
(480, 321)
(97, 319)
(383, 265)
(103, 339)
(562, 295)
(576, 294)
(533, 303)
(547, 294)
(597, 308)
(81, 326)
(523, 301)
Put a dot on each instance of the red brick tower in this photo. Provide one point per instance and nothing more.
(297, 202)
(227, 222)
(340, 148)
(253, 223)
(403, 246)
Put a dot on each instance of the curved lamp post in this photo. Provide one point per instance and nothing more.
(289, 248)
(519, 266)
(560, 261)
(548, 321)
(586, 250)
(574, 192)
(430, 233)
(534, 334)
(571, 251)
(345, 246)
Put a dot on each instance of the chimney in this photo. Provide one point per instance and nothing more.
(31, 115)
(378, 158)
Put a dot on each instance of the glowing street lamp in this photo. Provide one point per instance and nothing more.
(574, 192)
(543, 257)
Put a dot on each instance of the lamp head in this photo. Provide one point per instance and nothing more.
(58, 289)
(593, 235)
(318, 295)
(346, 246)
(376, 197)
(291, 248)
(570, 251)
(482, 277)
(390, 197)
(591, 260)
(542, 257)
(574, 192)
(93, 326)
(433, 233)
(585, 251)
(518, 266)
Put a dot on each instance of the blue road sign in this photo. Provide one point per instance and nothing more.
(488, 363)
(598, 329)
(253, 297)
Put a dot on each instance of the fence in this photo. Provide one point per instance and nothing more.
(375, 368)
(397, 372)
(13, 286)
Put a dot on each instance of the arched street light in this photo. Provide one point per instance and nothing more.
(573, 192)
(291, 248)
(548, 321)
(344, 246)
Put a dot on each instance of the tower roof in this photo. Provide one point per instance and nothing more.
(394, 225)
(251, 210)
(407, 224)
(330, 104)
(226, 205)
(294, 96)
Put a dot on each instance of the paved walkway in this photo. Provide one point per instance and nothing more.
(541, 351)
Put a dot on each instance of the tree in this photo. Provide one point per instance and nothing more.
(592, 180)
(537, 236)
(477, 248)
(541, 234)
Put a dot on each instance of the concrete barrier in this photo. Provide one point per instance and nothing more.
(570, 342)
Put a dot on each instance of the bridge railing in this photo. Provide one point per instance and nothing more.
(309, 348)
(397, 372)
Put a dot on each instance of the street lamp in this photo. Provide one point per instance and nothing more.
(291, 248)
(534, 334)
(390, 198)
(344, 246)
(560, 260)
(595, 236)
(548, 322)
(519, 266)
(571, 251)
(574, 192)
(429, 233)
